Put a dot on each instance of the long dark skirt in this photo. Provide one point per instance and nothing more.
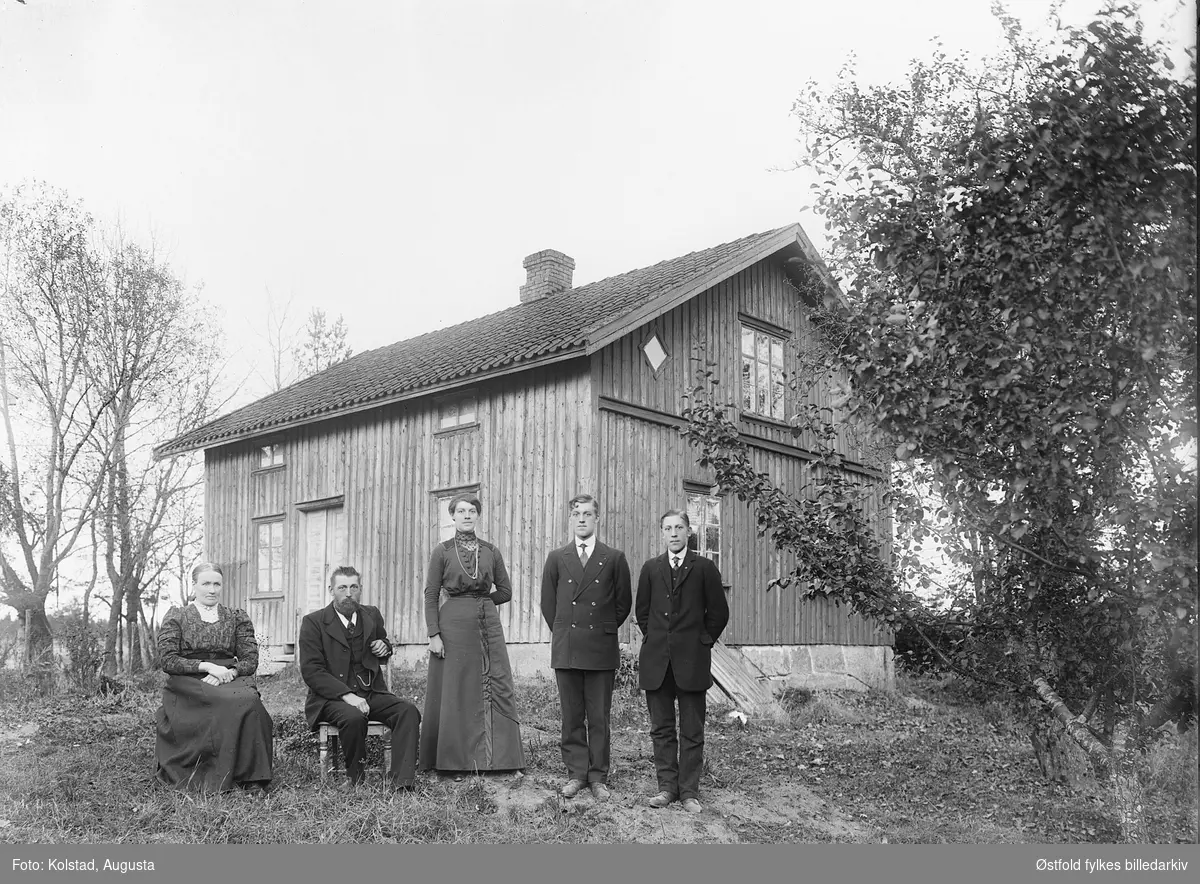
(470, 721)
(212, 737)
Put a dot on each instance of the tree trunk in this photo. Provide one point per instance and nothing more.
(112, 637)
(39, 641)
(133, 608)
(1074, 726)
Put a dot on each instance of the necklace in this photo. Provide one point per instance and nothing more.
(474, 576)
(208, 613)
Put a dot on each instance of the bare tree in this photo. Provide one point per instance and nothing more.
(50, 413)
(322, 343)
(152, 362)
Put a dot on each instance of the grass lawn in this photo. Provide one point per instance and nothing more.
(917, 765)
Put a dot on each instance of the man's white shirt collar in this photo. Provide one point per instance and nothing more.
(590, 543)
(347, 623)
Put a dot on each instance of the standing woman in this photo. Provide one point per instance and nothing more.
(213, 731)
(470, 721)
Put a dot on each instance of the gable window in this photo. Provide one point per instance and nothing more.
(655, 352)
(269, 545)
(762, 373)
(458, 411)
(270, 456)
(704, 512)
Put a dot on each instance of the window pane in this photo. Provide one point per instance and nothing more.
(655, 352)
(760, 397)
(714, 511)
(747, 341)
(695, 511)
(762, 347)
(716, 559)
(267, 456)
(747, 384)
(776, 353)
(777, 393)
(277, 534)
(466, 411)
(449, 413)
(712, 538)
(277, 579)
(264, 561)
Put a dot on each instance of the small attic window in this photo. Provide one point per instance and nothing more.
(656, 353)
(457, 412)
(270, 456)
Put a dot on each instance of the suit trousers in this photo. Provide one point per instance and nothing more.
(678, 760)
(586, 693)
(400, 715)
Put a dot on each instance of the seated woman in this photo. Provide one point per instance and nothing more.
(213, 731)
(470, 721)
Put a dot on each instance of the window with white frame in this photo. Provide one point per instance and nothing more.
(704, 513)
(269, 545)
(458, 411)
(762, 373)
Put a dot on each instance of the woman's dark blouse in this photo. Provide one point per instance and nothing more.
(446, 572)
(183, 631)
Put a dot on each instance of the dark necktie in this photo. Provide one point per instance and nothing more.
(583, 556)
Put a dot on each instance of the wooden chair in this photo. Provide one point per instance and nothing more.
(328, 743)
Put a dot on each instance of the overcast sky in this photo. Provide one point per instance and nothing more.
(395, 161)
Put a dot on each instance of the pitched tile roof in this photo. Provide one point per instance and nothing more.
(550, 327)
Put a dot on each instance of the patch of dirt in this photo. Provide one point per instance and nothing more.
(11, 738)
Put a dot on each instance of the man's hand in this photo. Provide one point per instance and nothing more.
(357, 702)
(436, 647)
(379, 648)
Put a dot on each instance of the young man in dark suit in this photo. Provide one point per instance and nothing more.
(343, 652)
(586, 596)
(681, 611)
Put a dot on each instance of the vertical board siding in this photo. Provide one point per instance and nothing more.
(708, 327)
(529, 454)
(541, 438)
(644, 465)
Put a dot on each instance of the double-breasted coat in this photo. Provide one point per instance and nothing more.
(585, 607)
(325, 657)
(679, 624)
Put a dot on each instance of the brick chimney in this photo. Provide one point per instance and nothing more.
(549, 272)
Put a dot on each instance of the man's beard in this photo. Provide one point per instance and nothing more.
(346, 606)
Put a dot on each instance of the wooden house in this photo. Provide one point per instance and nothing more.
(573, 389)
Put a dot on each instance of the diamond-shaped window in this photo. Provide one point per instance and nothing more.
(656, 353)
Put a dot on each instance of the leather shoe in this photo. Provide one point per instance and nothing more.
(691, 805)
(572, 788)
(600, 792)
(662, 799)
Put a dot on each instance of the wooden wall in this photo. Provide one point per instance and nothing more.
(709, 326)
(606, 424)
(531, 450)
(645, 462)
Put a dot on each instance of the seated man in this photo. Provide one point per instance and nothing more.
(341, 647)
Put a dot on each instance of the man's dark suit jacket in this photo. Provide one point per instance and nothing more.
(680, 627)
(325, 657)
(585, 608)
